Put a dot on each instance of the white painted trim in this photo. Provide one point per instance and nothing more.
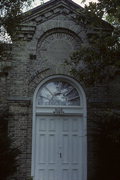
(83, 107)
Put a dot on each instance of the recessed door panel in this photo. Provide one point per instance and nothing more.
(71, 157)
(58, 148)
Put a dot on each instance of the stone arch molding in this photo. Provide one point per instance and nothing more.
(52, 48)
(80, 109)
(56, 46)
(57, 24)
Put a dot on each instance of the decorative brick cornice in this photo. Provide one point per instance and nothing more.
(52, 7)
(49, 11)
(25, 32)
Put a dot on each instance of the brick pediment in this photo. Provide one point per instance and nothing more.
(54, 11)
(51, 9)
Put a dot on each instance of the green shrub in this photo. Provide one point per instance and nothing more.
(106, 138)
(8, 153)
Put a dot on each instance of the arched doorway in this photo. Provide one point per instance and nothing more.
(59, 150)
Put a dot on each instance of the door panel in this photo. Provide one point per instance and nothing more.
(58, 148)
(46, 148)
(71, 148)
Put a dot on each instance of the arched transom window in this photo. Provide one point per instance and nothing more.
(58, 93)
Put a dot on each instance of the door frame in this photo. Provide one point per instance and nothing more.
(80, 110)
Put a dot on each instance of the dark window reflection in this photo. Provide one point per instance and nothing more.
(58, 93)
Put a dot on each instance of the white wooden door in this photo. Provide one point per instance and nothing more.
(58, 148)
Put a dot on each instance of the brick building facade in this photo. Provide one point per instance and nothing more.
(49, 34)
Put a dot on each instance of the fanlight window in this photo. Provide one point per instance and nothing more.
(58, 93)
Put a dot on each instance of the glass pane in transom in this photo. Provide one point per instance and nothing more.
(58, 93)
